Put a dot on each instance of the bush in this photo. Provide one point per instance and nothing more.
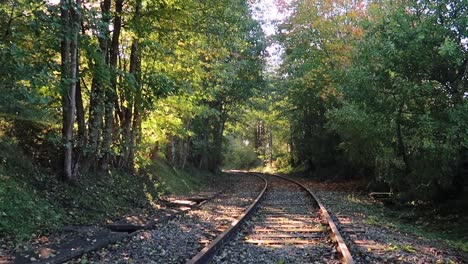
(240, 155)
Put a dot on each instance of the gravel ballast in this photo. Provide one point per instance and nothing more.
(286, 200)
(178, 240)
(368, 237)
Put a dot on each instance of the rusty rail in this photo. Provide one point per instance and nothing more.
(346, 257)
(207, 252)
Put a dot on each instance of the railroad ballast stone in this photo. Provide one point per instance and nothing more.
(180, 239)
(285, 199)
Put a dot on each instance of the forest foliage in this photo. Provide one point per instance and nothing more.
(103, 101)
(378, 90)
(375, 90)
(128, 80)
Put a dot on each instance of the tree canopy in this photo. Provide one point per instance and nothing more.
(380, 88)
(175, 68)
(369, 89)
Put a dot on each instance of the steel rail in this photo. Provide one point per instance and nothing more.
(207, 252)
(346, 257)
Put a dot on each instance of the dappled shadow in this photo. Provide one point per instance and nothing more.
(182, 237)
(370, 236)
(285, 229)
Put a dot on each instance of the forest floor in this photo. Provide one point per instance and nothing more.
(373, 232)
(36, 208)
(163, 237)
(378, 234)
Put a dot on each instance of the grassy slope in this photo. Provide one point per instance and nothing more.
(176, 181)
(23, 209)
(34, 201)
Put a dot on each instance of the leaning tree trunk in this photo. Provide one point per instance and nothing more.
(70, 18)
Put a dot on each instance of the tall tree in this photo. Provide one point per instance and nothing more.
(110, 93)
(70, 17)
(404, 88)
(318, 39)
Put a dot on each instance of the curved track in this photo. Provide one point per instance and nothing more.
(288, 217)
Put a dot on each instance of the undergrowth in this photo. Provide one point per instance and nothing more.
(24, 209)
(168, 179)
(421, 223)
(33, 201)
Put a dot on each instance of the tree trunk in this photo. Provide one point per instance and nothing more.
(110, 94)
(270, 147)
(67, 132)
(70, 18)
(185, 152)
(400, 142)
(133, 124)
(215, 155)
(292, 161)
(80, 115)
(304, 151)
(128, 110)
(136, 135)
(96, 109)
(173, 151)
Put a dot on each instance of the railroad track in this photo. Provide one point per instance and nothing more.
(285, 224)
